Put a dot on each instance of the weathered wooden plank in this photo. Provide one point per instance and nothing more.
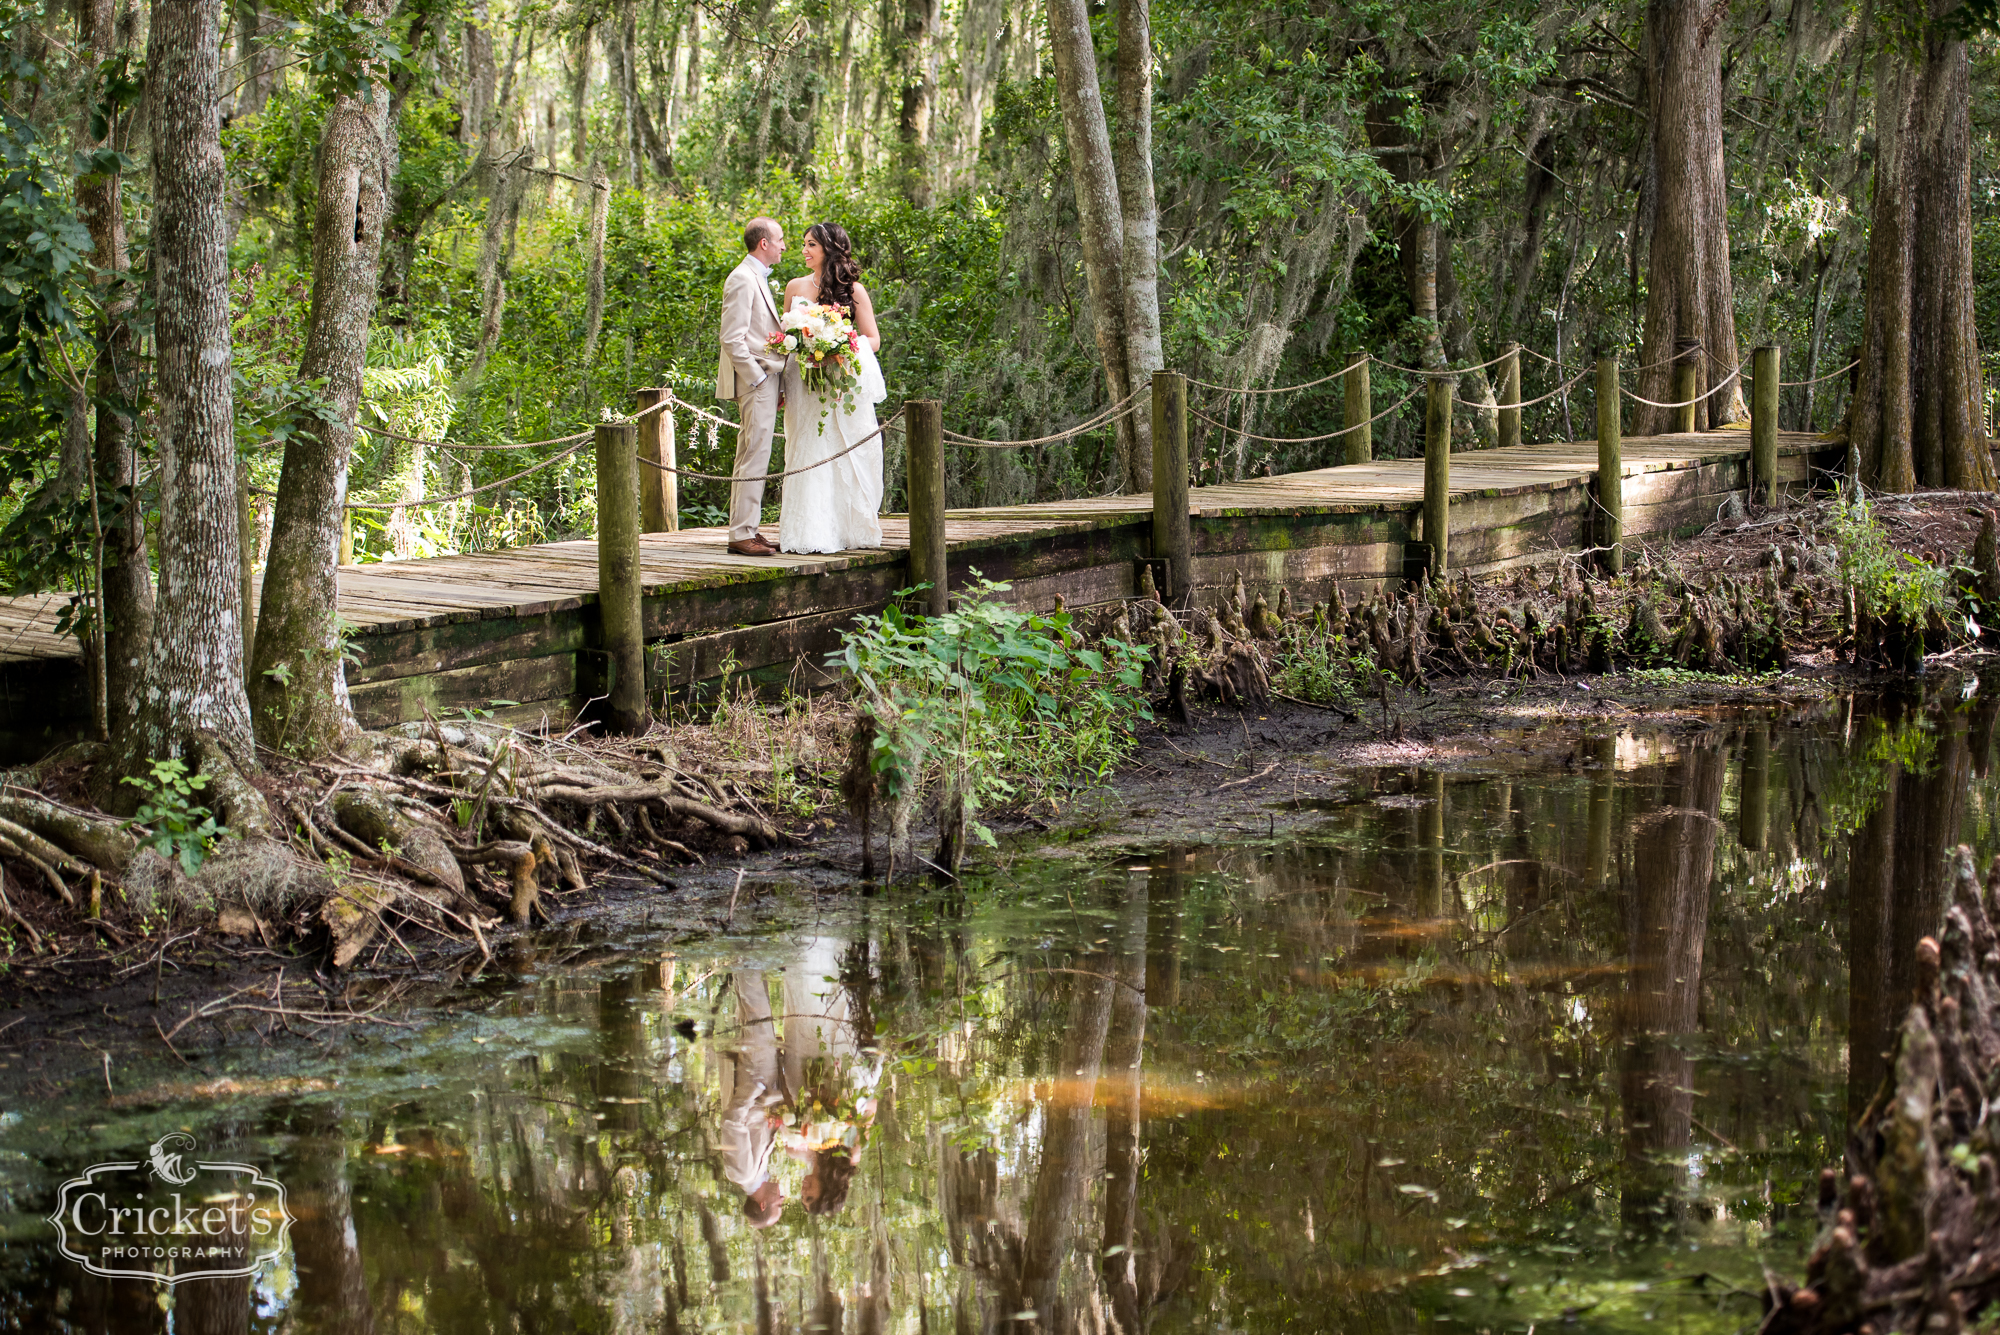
(797, 642)
(463, 644)
(379, 704)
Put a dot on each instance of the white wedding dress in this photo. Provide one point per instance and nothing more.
(835, 508)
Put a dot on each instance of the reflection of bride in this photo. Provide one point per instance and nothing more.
(834, 508)
(830, 1079)
(811, 1094)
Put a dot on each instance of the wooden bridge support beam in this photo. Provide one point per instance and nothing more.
(1610, 467)
(1764, 363)
(1510, 396)
(659, 492)
(1437, 472)
(1360, 407)
(619, 577)
(1173, 538)
(923, 427)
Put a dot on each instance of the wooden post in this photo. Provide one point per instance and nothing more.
(1173, 537)
(1510, 396)
(1687, 381)
(1360, 407)
(659, 493)
(347, 537)
(923, 424)
(618, 576)
(1610, 467)
(1764, 364)
(1437, 472)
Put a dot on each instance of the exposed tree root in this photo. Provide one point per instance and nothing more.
(1909, 1239)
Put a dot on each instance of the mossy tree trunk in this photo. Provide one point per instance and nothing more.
(296, 679)
(191, 701)
(128, 571)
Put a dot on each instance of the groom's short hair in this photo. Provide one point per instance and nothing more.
(757, 231)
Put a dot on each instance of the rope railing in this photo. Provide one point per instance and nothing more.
(771, 477)
(1563, 388)
(503, 445)
(1366, 357)
(1438, 372)
(581, 439)
(1302, 440)
(1125, 407)
(1794, 384)
(1713, 390)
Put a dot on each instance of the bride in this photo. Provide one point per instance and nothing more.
(833, 508)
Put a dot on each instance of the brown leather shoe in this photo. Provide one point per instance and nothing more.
(753, 546)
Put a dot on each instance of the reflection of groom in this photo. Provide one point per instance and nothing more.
(752, 377)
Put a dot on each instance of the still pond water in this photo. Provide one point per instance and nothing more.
(1561, 1047)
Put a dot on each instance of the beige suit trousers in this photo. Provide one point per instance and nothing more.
(757, 418)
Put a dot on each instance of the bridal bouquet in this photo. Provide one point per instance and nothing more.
(827, 347)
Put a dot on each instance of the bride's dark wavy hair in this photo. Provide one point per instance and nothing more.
(840, 273)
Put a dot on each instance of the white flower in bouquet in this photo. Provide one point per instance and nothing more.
(828, 350)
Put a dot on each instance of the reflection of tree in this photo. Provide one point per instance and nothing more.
(1067, 1165)
(1124, 1080)
(1673, 858)
(1897, 877)
(325, 1249)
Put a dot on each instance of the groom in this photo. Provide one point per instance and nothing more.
(753, 377)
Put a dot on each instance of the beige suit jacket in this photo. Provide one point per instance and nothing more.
(748, 316)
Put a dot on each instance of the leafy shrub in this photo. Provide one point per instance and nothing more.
(1322, 667)
(992, 702)
(1888, 584)
(171, 823)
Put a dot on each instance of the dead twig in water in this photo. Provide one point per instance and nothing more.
(227, 1004)
(1251, 778)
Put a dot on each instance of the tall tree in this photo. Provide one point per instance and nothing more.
(913, 50)
(191, 701)
(1689, 291)
(1120, 282)
(297, 679)
(1916, 419)
(1140, 214)
(128, 572)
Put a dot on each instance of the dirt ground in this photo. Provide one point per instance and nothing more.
(99, 1032)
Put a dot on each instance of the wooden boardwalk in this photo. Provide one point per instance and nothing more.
(519, 625)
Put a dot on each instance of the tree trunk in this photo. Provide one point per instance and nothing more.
(1949, 430)
(1141, 216)
(1916, 418)
(919, 93)
(193, 688)
(1689, 292)
(503, 214)
(1099, 216)
(305, 705)
(128, 571)
(481, 75)
(579, 88)
(259, 57)
(593, 309)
